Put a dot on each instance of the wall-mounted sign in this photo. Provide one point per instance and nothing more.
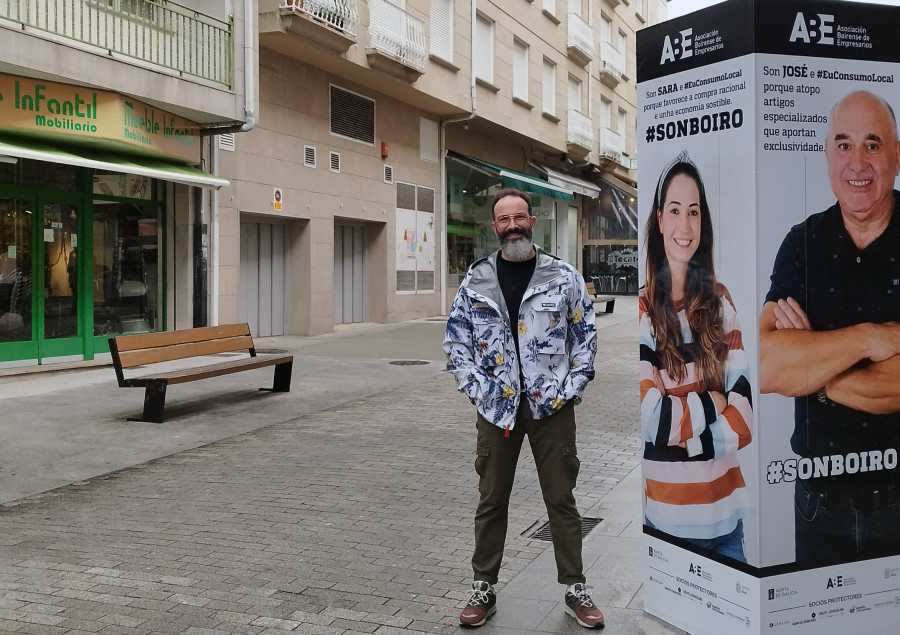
(81, 113)
(276, 199)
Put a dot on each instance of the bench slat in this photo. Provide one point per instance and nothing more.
(167, 338)
(210, 370)
(167, 353)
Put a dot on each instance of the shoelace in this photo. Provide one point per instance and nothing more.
(584, 597)
(477, 596)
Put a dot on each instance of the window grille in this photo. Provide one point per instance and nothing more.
(334, 161)
(388, 174)
(309, 156)
(226, 142)
(352, 115)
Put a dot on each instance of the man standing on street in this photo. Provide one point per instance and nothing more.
(829, 337)
(521, 342)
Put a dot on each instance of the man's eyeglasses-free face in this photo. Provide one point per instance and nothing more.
(518, 219)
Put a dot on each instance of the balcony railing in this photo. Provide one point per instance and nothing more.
(157, 32)
(612, 64)
(581, 42)
(612, 144)
(340, 15)
(579, 130)
(395, 33)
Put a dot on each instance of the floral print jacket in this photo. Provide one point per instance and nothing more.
(557, 340)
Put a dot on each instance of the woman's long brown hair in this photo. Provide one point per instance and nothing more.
(702, 304)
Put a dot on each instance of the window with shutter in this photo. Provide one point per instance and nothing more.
(441, 22)
(549, 87)
(428, 140)
(520, 70)
(484, 49)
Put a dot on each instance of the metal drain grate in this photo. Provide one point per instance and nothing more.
(541, 530)
(271, 351)
(408, 362)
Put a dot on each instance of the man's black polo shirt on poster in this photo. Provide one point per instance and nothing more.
(839, 285)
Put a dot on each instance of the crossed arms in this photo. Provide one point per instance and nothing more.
(858, 366)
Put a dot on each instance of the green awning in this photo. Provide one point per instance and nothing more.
(39, 150)
(511, 178)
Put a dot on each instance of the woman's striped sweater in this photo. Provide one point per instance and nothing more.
(693, 486)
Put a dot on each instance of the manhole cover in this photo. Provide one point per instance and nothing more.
(541, 531)
(408, 362)
(271, 351)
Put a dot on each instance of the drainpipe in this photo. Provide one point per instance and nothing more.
(214, 239)
(249, 79)
(443, 144)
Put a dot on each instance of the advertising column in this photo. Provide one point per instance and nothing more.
(770, 259)
(696, 133)
(828, 270)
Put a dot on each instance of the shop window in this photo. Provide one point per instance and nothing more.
(609, 257)
(15, 271)
(39, 174)
(127, 268)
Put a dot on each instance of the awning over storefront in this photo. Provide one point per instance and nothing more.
(511, 178)
(612, 179)
(26, 148)
(571, 183)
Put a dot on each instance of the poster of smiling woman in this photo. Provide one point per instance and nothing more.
(769, 338)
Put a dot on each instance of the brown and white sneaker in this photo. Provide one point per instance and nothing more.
(481, 605)
(580, 606)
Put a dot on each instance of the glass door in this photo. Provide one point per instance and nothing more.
(60, 329)
(16, 313)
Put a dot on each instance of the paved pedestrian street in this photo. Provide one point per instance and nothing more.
(355, 518)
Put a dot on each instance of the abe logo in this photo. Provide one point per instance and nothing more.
(835, 582)
(815, 30)
(678, 48)
(695, 569)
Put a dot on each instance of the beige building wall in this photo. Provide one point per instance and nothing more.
(294, 114)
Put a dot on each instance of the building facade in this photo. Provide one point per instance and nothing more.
(107, 112)
(384, 128)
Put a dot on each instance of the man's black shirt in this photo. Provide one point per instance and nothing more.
(513, 278)
(839, 285)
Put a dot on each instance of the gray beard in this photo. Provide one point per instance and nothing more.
(517, 250)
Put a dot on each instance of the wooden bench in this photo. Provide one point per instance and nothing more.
(610, 300)
(129, 351)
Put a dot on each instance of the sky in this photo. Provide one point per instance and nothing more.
(680, 7)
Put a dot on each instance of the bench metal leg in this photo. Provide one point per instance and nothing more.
(154, 402)
(610, 306)
(282, 381)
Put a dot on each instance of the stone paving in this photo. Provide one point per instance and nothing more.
(353, 519)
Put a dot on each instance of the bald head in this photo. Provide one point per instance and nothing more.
(863, 156)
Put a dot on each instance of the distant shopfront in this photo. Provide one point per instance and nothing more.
(471, 185)
(86, 188)
(609, 238)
